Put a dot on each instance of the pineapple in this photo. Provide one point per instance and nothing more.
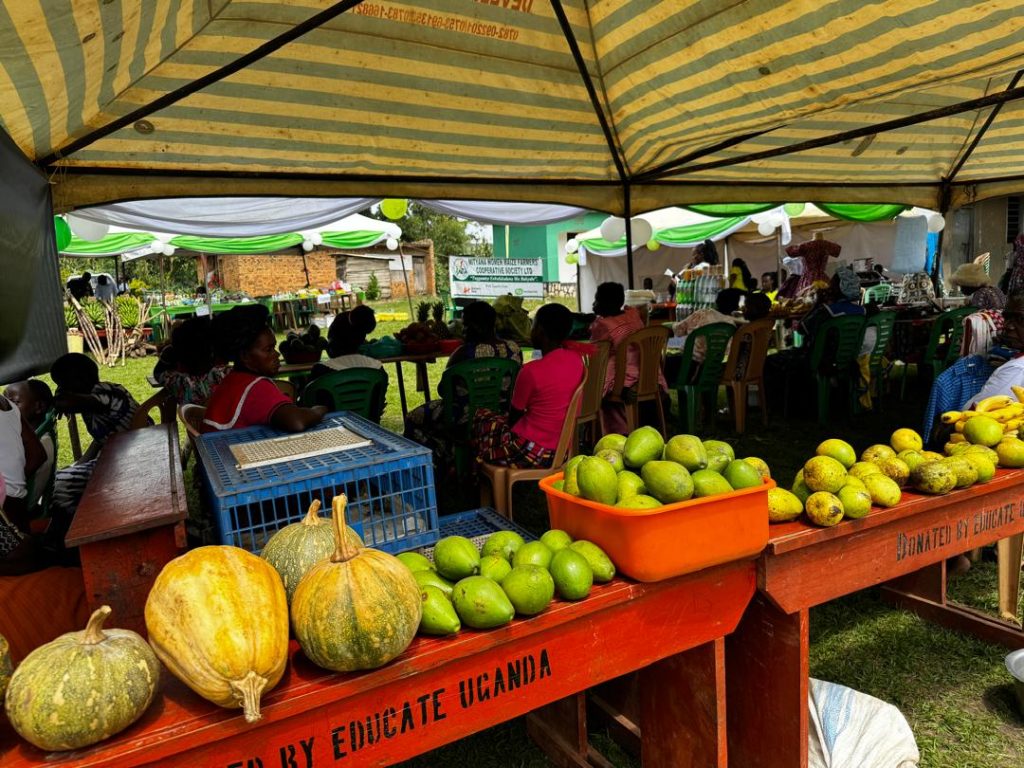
(423, 312)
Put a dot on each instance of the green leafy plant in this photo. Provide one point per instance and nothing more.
(373, 287)
(137, 287)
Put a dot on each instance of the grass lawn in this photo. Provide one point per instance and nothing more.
(953, 690)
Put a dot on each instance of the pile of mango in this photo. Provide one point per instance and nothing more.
(643, 471)
(507, 576)
(835, 485)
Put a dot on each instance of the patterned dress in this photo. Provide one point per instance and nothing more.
(815, 255)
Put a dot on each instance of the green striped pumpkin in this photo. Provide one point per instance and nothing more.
(296, 548)
(6, 666)
(82, 687)
(359, 609)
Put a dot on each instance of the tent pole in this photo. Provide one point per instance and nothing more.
(165, 321)
(629, 235)
(405, 276)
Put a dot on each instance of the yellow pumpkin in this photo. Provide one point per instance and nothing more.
(359, 609)
(217, 618)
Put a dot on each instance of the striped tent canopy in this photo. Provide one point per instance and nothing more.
(616, 105)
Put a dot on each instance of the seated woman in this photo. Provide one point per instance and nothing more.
(34, 399)
(248, 397)
(21, 454)
(528, 436)
(1007, 355)
(423, 424)
(187, 368)
(975, 283)
(346, 335)
(613, 324)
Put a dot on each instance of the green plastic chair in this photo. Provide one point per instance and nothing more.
(883, 322)
(834, 353)
(692, 384)
(360, 390)
(878, 293)
(488, 382)
(948, 327)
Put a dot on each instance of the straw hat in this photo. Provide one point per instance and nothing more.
(970, 275)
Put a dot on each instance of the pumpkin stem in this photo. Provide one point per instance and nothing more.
(247, 692)
(312, 516)
(94, 629)
(343, 549)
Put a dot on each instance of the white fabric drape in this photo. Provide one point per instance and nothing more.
(253, 216)
(227, 216)
(504, 213)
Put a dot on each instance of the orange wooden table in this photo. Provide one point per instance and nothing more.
(441, 690)
(803, 566)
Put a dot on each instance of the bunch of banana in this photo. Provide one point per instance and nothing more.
(1002, 408)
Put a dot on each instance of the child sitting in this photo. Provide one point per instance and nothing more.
(187, 369)
(34, 399)
(105, 407)
(527, 437)
(346, 335)
(247, 396)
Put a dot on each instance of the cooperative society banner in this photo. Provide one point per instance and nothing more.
(496, 277)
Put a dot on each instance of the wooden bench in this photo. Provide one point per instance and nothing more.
(130, 521)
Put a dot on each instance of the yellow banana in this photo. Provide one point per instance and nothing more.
(950, 416)
(993, 403)
(1013, 424)
(965, 415)
(1018, 391)
(1003, 414)
(957, 437)
(959, 426)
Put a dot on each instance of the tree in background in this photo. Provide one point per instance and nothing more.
(447, 232)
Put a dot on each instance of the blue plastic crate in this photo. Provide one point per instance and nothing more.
(476, 525)
(389, 484)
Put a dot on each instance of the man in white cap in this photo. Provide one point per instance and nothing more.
(974, 281)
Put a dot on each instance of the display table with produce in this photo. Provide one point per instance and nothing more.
(905, 547)
(439, 689)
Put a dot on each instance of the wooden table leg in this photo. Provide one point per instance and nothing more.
(76, 442)
(767, 688)
(401, 390)
(682, 709)
(1009, 554)
(560, 730)
(423, 381)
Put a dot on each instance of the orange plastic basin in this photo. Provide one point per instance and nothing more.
(656, 544)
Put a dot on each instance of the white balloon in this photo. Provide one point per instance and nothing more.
(316, 238)
(613, 228)
(84, 229)
(392, 244)
(572, 245)
(936, 223)
(641, 231)
(307, 245)
(765, 228)
(168, 249)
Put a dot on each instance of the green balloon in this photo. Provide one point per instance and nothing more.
(653, 245)
(572, 258)
(62, 231)
(394, 208)
(794, 209)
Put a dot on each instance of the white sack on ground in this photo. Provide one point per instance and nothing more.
(849, 729)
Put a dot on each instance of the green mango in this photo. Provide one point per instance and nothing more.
(439, 616)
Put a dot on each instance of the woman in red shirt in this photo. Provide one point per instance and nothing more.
(527, 437)
(248, 396)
